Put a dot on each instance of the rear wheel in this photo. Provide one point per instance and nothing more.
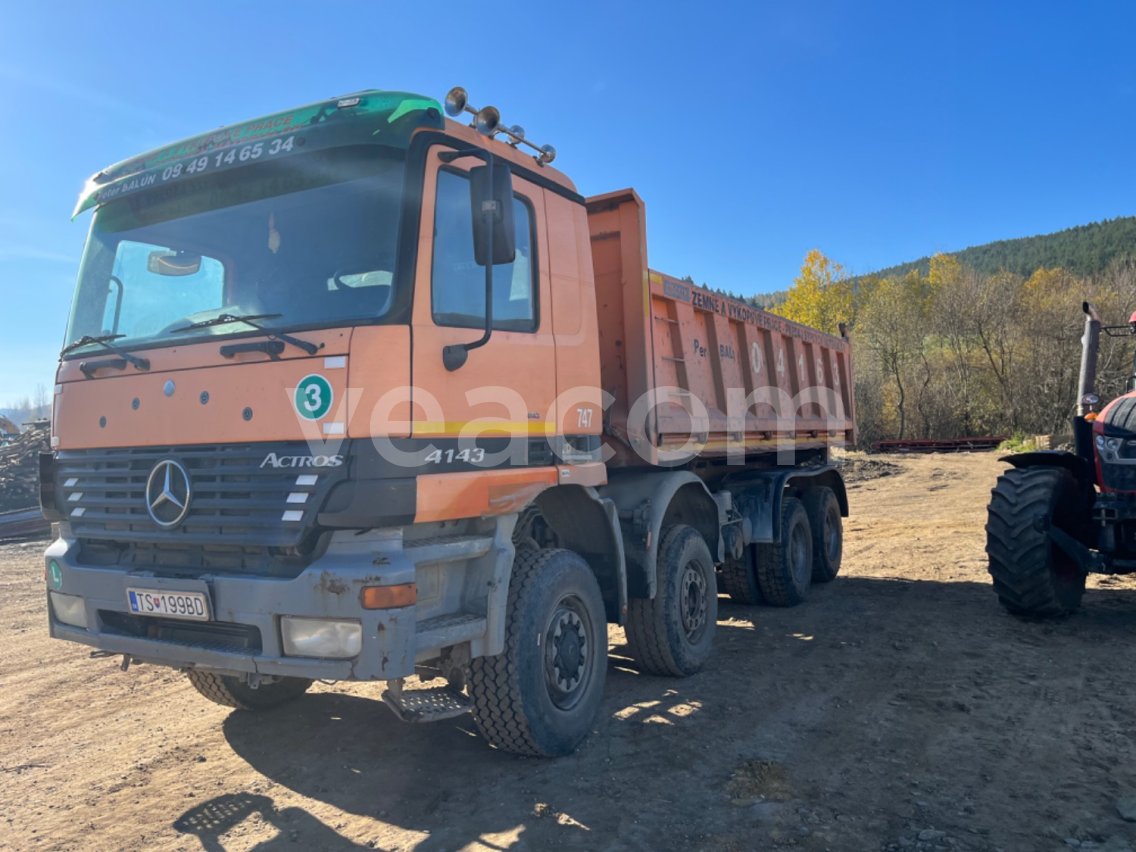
(542, 694)
(785, 567)
(739, 579)
(1032, 575)
(235, 692)
(673, 633)
(828, 533)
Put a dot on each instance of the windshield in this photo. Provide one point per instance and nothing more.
(311, 240)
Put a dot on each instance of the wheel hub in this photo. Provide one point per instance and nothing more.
(692, 601)
(566, 656)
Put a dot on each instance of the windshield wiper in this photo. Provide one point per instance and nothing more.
(250, 319)
(87, 340)
(225, 319)
(103, 340)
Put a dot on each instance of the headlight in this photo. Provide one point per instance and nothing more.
(320, 637)
(69, 609)
(1100, 442)
(1113, 444)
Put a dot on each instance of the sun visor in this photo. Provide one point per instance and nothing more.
(381, 118)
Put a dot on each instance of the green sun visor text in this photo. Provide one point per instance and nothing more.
(383, 118)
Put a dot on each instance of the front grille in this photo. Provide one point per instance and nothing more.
(1118, 477)
(193, 560)
(235, 501)
(214, 635)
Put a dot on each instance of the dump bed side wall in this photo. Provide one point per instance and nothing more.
(616, 226)
(720, 371)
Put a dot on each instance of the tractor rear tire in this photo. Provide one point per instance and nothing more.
(672, 633)
(785, 567)
(231, 691)
(828, 533)
(1032, 575)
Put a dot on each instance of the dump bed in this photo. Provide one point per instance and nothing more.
(693, 371)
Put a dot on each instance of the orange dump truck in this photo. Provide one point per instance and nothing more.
(359, 392)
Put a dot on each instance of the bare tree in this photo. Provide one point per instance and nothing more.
(41, 400)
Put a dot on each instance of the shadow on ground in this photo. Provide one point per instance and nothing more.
(211, 820)
(883, 708)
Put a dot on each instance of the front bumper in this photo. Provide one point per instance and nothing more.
(330, 589)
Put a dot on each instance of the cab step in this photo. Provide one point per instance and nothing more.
(426, 705)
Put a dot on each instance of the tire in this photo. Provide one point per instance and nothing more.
(673, 633)
(785, 567)
(1032, 576)
(739, 579)
(234, 692)
(519, 704)
(828, 533)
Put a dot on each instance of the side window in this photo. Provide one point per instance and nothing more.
(458, 283)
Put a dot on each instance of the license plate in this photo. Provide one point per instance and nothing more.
(190, 605)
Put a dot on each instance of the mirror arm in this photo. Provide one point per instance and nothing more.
(456, 354)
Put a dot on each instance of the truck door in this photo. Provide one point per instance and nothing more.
(506, 388)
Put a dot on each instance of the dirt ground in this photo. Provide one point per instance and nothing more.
(899, 708)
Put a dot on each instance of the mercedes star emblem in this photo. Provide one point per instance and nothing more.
(167, 494)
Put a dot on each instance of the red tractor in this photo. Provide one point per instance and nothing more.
(1056, 516)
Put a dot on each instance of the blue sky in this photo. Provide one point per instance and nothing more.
(877, 132)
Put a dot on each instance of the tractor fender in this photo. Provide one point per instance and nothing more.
(1075, 464)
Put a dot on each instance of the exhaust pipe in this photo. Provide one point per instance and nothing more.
(1090, 343)
(1087, 399)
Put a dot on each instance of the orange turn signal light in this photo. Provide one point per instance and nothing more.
(1091, 416)
(389, 597)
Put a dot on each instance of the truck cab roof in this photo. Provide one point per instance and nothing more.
(371, 116)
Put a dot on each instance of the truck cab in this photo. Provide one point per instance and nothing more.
(333, 406)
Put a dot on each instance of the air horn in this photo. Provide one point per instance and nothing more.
(487, 122)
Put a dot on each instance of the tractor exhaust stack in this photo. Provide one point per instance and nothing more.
(1087, 399)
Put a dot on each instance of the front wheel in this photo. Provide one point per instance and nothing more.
(739, 578)
(1032, 575)
(541, 695)
(673, 632)
(234, 692)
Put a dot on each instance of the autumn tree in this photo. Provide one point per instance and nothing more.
(821, 295)
(949, 320)
(891, 327)
(946, 349)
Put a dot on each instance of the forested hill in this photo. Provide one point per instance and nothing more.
(1083, 250)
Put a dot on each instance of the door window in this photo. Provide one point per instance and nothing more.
(458, 283)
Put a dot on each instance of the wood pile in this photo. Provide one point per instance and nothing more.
(19, 468)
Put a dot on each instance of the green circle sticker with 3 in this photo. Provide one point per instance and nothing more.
(313, 397)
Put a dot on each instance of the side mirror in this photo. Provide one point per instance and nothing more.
(173, 263)
(496, 199)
